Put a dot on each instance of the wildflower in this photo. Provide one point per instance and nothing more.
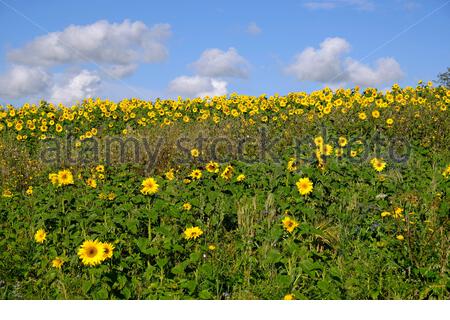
(240, 178)
(65, 177)
(91, 183)
(57, 263)
(289, 224)
(40, 236)
(400, 237)
(193, 233)
(378, 164)
(91, 252)
(187, 206)
(212, 167)
(196, 174)
(289, 296)
(195, 153)
(304, 186)
(149, 186)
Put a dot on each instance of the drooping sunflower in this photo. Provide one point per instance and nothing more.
(192, 233)
(292, 165)
(40, 236)
(65, 177)
(304, 186)
(91, 252)
(108, 249)
(149, 186)
(227, 172)
(289, 224)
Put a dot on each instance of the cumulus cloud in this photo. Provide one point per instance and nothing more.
(328, 65)
(253, 29)
(108, 50)
(21, 81)
(75, 88)
(198, 86)
(218, 63)
(120, 45)
(322, 64)
(364, 5)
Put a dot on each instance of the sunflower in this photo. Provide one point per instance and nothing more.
(195, 153)
(227, 172)
(57, 263)
(65, 177)
(289, 296)
(318, 141)
(304, 186)
(91, 183)
(398, 213)
(446, 172)
(7, 193)
(149, 186)
(212, 167)
(196, 174)
(29, 191)
(289, 224)
(187, 206)
(40, 236)
(100, 168)
(378, 164)
(91, 252)
(170, 175)
(342, 141)
(240, 178)
(193, 233)
(108, 249)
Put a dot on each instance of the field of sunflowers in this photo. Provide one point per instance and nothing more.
(334, 194)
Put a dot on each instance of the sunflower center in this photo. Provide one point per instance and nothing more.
(92, 252)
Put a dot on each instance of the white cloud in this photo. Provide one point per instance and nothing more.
(120, 45)
(75, 88)
(21, 81)
(320, 65)
(253, 29)
(105, 50)
(327, 65)
(198, 86)
(386, 70)
(364, 5)
(218, 63)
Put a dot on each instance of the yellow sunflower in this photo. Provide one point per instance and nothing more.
(196, 174)
(289, 296)
(378, 164)
(212, 167)
(304, 186)
(108, 249)
(193, 233)
(187, 206)
(292, 165)
(57, 263)
(91, 252)
(240, 178)
(289, 224)
(149, 186)
(227, 172)
(40, 236)
(65, 177)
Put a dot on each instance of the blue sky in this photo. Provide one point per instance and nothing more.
(217, 47)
